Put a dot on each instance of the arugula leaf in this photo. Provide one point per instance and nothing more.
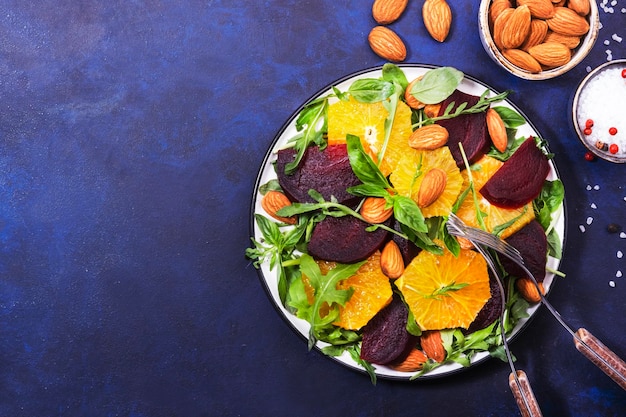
(436, 85)
(325, 293)
(311, 116)
(278, 249)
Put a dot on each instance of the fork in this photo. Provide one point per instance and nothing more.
(586, 343)
(518, 380)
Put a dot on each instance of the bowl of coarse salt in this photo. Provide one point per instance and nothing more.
(599, 111)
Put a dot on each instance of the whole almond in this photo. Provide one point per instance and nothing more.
(432, 345)
(495, 8)
(542, 9)
(410, 100)
(433, 185)
(374, 210)
(522, 60)
(582, 7)
(391, 261)
(273, 201)
(571, 42)
(387, 44)
(516, 28)
(536, 35)
(497, 130)
(567, 22)
(388, 11)
(428, 137)
(527, 289)
(432, 110)
(437, 17)
(414, 361)
(499, 25)
(551, 54)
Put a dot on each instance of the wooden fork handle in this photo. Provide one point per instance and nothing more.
(601, 356)
(524, 396)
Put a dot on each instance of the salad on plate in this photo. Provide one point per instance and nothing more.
(349, 218)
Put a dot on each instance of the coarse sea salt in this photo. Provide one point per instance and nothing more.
(620, 254)
(618, 274)
(601, 102)
(612, 284)
(582, 228)
(589, 220)
(593, 206)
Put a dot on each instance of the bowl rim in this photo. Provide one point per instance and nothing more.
(494, 53)
(581, 136)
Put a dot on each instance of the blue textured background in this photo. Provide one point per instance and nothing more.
(131, 134)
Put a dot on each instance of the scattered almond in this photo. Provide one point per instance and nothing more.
(567, 22)
(437, 17)
(542, 9)
(410, 100)
(516, 28)
(429, 137)
(387, 44)
(527, 289)
(522, 60)
(374, 210)
(551, 54)
(433, 185)
(391, 261)
(414, 361)
(273, 201)
(497, 130)
(432, 345)
(388, 11)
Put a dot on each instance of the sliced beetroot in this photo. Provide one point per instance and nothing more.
(408, 249)
(328, 172)
(345, 240)
(519, 179)
(532, 244)
(467, 129)
(491, 310)
(385, 337)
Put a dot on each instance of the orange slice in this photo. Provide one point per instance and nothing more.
(372, 292)
(367, 121)
(495, 217)
(445, 291)
(409, 173)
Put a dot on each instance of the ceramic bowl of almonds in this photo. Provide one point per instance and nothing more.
(538, 39)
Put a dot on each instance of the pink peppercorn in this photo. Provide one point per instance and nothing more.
(587, 131)
(613, 131)
(589, 156)
(613, 148)
(589, 123)
(624, 73)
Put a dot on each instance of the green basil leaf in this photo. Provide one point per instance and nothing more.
(370, 90)
(437, 84)
(394, 74)
(510, 117)
(406, 212)
(364, 168)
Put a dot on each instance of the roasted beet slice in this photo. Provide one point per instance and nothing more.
(344, 239)
(491, 310)
(468, 129)
(519, 180)
(328, 172)
(532, 244)
(385, 336)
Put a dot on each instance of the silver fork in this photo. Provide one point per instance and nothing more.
(586, 343)
(518, 380)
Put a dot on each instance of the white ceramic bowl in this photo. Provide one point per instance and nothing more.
(601, 98)
(578, 54)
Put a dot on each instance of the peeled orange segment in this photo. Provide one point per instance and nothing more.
(444, 291)
(494, 217)
(367, 121)
(372, 292)
(409, 173)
